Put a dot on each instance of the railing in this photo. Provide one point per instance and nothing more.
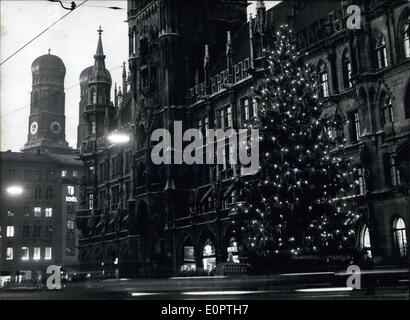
(219, 81)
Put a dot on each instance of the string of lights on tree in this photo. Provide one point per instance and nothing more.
(298, 201)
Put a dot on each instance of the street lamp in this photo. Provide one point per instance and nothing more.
(118, 138)
(14, 190)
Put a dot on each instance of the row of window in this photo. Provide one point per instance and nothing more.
(26, 255)
(399, 238)
(37, 212)
(48, 231)
(116, 165)
(38, 174)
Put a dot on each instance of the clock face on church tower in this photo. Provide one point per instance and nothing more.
(33, 127)
(55, 127)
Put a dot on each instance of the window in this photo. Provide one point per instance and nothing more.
(37, 253)
(245, 109)
(347, 70)
(26, 231)
(10, 231)
(49, 231)
(49, 193)
(48, 253)
(208, 253)
(10, 213)
(90, 201)
(49, 212)
(64, 173)
(361, 182)
(37, 212)
(393, 173)
(75, 173)
(254, 108)
(365, 240)
(232, 250)
(25, 255)
(228, 119)
(400, 237)
(37, 192)
(323, 81)
(70, 190)
(93, 127)
(354, 126)
(405, 35)
(37, 231)
(38, 175)
(380, 51)
(70, 224)
(221, 118)
(12, 174)
(9, 254)
(386, 110)
(27, 174)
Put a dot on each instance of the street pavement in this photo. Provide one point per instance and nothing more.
(315, 285)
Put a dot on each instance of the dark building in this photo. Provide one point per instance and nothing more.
(40, 186)
(198, 63)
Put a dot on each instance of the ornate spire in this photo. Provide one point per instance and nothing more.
(100, 74)
(124, 78)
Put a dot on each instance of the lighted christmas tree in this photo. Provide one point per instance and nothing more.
(297, 202)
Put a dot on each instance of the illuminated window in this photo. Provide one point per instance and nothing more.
(10, 213)
(70, 224)
(347, 70)
(25, 255)
(10, 231)
(245, 109)
(70, 190)
(49, 212)
(400, 237)
(386, 110)
(228, 120)
(75, 173)
(37, 253)
(48, 253)
(365, 241)
(90, 201)
(232, 250)
(9, 254)
(405, 34)
(323, 81)
(37, 212)
(380, 51)
(64, 173)
(209, 258)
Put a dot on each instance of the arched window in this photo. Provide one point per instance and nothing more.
(232, 250)
(347, 69)
(323, 81)
(386, 110)
(405, 36)
(365, 243)
(380, 51)
(400, 237)
(93, 95)
(134, 41)
(209, 257)
(188, 256)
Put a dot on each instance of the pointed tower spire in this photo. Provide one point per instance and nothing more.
(124, 78)
(99, 72)
(229, 56)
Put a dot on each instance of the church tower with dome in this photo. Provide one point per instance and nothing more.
(46, 132)
(95, 102)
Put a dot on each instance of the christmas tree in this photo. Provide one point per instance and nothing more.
(297, 201)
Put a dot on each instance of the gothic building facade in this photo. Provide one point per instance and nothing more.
(198, 63)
